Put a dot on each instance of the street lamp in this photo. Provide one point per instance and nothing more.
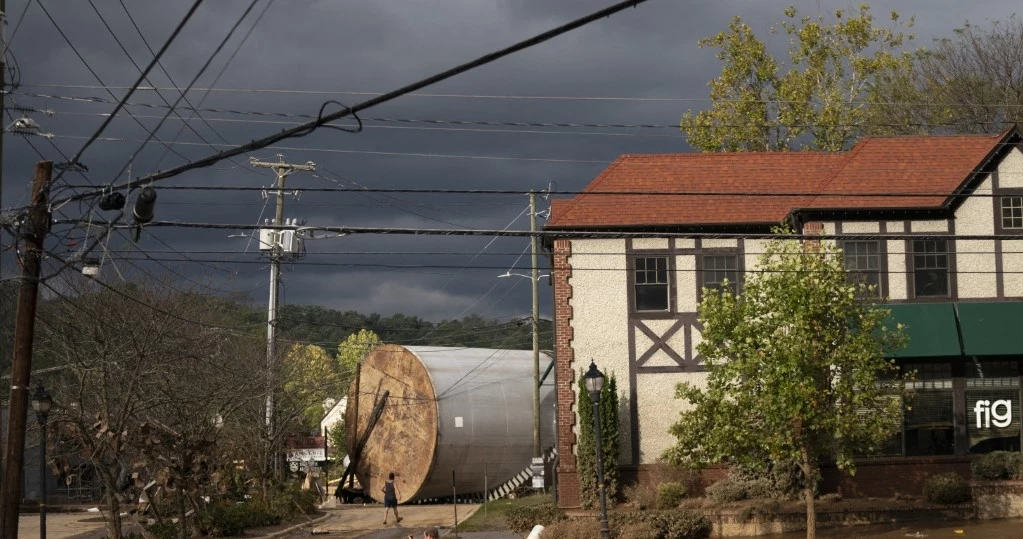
(594, 383)
(41, 403)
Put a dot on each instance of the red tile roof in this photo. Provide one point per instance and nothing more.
(737, 188)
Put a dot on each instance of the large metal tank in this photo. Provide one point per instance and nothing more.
(462, 409)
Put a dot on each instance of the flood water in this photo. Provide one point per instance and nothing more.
(988, 529)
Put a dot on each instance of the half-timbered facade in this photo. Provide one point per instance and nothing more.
(935, 222)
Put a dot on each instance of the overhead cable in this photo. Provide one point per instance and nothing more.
(325, 119)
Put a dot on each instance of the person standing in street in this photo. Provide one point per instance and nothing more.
(390, 498)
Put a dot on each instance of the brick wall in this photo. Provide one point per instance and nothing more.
(568, 479)
(882, 478)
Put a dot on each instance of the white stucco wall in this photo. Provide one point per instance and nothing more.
(1012, 262)
(685, 284)
(856, 227)
(896, 268)
(975, 259)
(600, 310)
(1010, 170)
(929, 226)
(659, 410)
(650, 243)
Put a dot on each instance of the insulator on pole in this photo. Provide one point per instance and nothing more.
(145, 204)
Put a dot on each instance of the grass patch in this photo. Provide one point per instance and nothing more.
(496, 511)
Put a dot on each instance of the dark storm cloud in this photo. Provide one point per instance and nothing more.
(345, 45)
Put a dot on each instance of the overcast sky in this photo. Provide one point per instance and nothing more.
(304, 52)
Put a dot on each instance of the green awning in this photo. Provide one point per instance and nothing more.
(930, 327)
(991, 329)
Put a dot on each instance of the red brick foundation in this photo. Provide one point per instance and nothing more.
(568, 479)
(883, 478)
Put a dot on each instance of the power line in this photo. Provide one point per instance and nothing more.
(575, 268)
(638, 99)
(494, 123)
(160, 175)
(324, 120)
(574, 233)
(133, 87)
(191, 83)
(599, 192)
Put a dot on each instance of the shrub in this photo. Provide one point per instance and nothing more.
(762, 488)
(670, 494)
(997, 465)
(726, 490)
(165, 530)
(946, 488)
(642, 496)
(639, 530)
(667, 524)
(682, 524)
(521, 519)
(573, 529)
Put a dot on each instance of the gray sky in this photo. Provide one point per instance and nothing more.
(320, 50)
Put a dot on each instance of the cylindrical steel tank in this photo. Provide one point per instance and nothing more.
(463, 409)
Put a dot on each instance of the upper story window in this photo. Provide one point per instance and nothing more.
(930, 268)
(651, 283)
(863, 262)
(719, 268)
(1012, 212)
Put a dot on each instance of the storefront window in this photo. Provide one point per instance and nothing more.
(929, 417)
(992, 406)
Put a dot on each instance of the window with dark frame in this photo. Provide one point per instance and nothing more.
(719, 268)
(651, 283)
(1012, 212)
(863, 262)
(930, 268)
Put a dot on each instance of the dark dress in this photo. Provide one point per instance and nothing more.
(390, 498)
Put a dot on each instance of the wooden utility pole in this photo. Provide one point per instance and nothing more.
(36, 226)
(354, 402)
(535, 277)
(283, 170)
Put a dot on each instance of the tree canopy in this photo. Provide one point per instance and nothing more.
(820, 99)
(796, 369)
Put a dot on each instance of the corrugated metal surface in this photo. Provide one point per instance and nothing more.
(461, 409)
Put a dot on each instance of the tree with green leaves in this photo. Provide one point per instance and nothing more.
(821, 99)
(311, 379)
(586, 449)
(797, 370)
(355, 348)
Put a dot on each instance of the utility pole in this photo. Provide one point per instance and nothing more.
(283, 170)
(36, 226)
(537, 451)
(3, 90)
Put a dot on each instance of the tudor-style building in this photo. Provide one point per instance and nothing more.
(630, 304)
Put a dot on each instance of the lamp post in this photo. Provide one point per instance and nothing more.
(594, 383)
(41, 403)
